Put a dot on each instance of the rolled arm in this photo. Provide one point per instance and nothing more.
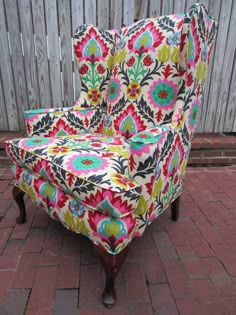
(63, 121)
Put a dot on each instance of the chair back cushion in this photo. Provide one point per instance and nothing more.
(145, 80)
(94, 50)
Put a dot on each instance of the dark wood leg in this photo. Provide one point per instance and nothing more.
(18, 196)
(175, 209)
(111, 265)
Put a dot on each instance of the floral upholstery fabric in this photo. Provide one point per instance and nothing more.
(108, 168)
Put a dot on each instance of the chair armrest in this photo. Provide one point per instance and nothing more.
(54, 122)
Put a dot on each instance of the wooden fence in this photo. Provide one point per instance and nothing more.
(37, 64)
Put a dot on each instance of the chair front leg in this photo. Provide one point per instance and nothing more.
(175, 209)
(18, 196)
(111, 265)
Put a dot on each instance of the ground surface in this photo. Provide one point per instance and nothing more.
(185, 267)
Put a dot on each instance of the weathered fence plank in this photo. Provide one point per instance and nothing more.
(90, 11)
(216, 76)
(3, 113)
(103, 14)
(41, 53)
(66, 50)
(154, 8)
(53, 52)
(167, 7)
(179, 6)
(6, 70)
(29, 53)
(128, 12)
(77, 19)
(115, 14)
(17, 58)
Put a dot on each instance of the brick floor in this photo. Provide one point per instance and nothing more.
(185, 267)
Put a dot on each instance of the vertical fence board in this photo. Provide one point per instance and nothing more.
(90, 11)
(167, 7)
(179, 6)
(128, 12)
(226, 73)
(17, 58)
(7, 75)
(41, 53)
(230, 118)
(216, 77)
(53, 52)
(77, 19)
(66, 50)
(115, 14)
(103, 14)
(29, 53)
(154, 8)
(143, 10)
(3, 113)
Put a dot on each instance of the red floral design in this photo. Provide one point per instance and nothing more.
(61, 126)
(147, 61)
(101, 69)
(130, 62)
(83, 69)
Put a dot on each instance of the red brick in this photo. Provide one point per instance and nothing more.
(191, 210)
(229, 237)
(8, 262)
(223, 251)
(225, 199)
(26, 270)
(4, 205)
(50, 257)
(218, 223)
(176, 234)
(203, 289)
(178, 280)
(201, 248)
(91, 286)
(34, 241)
(87, 252)
(164, 246)
(215, 307)
(136, 287)
(14, 302)
(13, 247)
(71, 241)
(88, 310)
(162, 299)
(154, 272)
(41, 218)
(219, 277)
(69, 271)
(119, 310)
(66, 302)
(4, 235)
(21, 230)
(39, 312)
(212, 153)
(187, 307)
(230, 266)
(3, 185)
(9, 219)
(140, 309)
(209, 232)
(230, 304)
(54, 237)
(43, 289)
(5, 276)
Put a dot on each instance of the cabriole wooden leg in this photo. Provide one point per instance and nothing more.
(175, 209)
(18, 196)
(111, 265)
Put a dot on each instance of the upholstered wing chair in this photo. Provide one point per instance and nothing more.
(111, 164)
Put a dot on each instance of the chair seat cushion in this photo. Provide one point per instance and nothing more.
(92, 167)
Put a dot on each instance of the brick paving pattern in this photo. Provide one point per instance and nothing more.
(185, 267)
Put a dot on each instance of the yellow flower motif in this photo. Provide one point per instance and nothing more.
(133, 91)
(110, 61)
(163, 54)
(120, 56)
(157, 188)
(75, 224)
(175, 55)
(142, 206)
(56, 149)
(112, 228)
(201, 71)
(108, 132)
(94, 96)
(183, 167)
(29, 191)
(118, 149)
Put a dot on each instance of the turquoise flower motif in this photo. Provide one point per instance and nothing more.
(35, 142)
(114, 89)
(162, 94)
(107, 208)
(49, 191)
(193, 115)
(112, 227)
(86, 163)
(174, 39)
(76, 207)
(175, 161)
